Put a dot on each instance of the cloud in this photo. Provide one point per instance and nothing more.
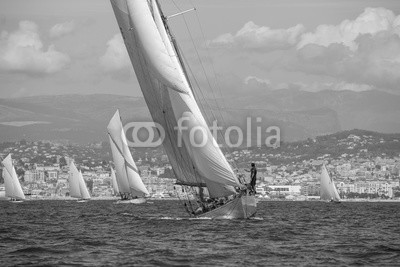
(62, 29)
(371, 21)
(376, 60)
(22, 51)
(363, 51)
(253, 79)
(254, 37)
(335, 86)
(116, 58)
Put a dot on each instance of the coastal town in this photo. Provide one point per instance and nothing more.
(364, 165)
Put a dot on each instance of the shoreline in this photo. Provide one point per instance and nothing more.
(177, 199)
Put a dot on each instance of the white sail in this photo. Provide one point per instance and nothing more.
(77, 185)
(328, 189)
(114, 182)
(159, 62)
(169, 97)
(82, 187)
(122, 181)
(8, 183)
(74, 189)
(127, 173)
(12, 185)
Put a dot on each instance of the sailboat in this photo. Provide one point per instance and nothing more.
(130, 185)
(77, 185)
(202, 171)
(12, 185)
(328, 190)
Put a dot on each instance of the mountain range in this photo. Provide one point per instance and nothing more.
(299, 114)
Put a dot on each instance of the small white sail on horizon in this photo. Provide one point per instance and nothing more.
(126, 171)
(77, 185)
(328, 189)
(12, 185)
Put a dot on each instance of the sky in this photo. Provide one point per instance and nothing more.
(52, 47)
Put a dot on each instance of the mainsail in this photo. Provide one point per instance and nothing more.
(127, 174)
(11, 183)
(77, 185)
(328, 189)
(169, 96)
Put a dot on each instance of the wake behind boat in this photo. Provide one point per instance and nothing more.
(13, 188)
(126, 181)
(132, 201)
(328, 190)
(202, 171)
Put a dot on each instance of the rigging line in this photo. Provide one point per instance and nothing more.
(214, 74)
(183, 201)
(201, 103)
(215, 77)
(191, 37)
(205, 74)
(188, 198)
(169, 33)
(209, 57)
(212, 114)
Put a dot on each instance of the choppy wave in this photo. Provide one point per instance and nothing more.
(283, 233)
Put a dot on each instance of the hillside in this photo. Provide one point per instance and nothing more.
(299, 114)
(352, 144)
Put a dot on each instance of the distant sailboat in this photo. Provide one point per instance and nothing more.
(77, 185)
(12, 185)
(328, 190)
(167, 91)
(130, 185)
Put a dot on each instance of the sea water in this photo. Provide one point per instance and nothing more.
(101, 233)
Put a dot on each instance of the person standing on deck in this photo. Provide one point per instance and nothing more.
(253, 175)
(253, 178)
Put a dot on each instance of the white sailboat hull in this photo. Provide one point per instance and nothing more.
(242, 207)
(132, 201)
